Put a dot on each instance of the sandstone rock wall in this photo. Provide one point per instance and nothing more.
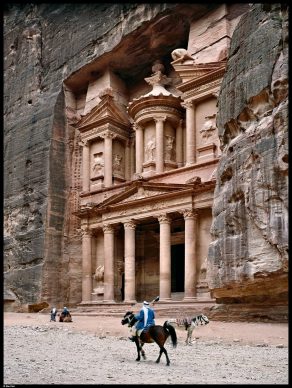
(248, 258)
(43, 45)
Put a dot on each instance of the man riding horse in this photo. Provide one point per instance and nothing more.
(145, 319)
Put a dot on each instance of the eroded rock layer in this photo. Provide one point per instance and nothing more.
(248, 258)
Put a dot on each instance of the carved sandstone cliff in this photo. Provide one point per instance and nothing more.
(45, 45)
(248, 258)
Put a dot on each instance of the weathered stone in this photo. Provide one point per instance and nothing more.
(248, 258)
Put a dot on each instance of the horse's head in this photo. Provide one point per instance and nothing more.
(203, 319)
(129, 318)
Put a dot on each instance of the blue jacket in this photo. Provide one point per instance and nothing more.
(150, 318)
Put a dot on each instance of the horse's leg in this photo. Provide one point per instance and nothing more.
(189, 336)
(138, 348)
(143, 351)
(163, 350)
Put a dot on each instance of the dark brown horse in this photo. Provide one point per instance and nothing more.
(155, 333)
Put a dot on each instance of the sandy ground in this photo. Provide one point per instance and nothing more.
(96, 350)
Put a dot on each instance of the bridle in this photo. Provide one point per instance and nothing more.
(130, 319)
(201, 317)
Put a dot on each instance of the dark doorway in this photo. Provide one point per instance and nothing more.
(177, 268)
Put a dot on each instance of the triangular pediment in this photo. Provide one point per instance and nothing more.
(195, 71)
(105, 112)
(142, 190)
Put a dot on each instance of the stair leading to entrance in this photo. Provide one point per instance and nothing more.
(174, 309)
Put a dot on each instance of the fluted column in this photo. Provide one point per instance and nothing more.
(85, 166)
(190, 133)
(139, 149)
(130, 290)
(86, 265)
(109, 234)
(159, 157)
(165, 258)
(179, 144)
(190, 217)
(108, 158)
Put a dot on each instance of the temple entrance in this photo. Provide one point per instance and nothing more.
(177, 268)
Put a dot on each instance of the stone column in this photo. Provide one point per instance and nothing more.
(108, 158)
(190, 133)
(109, 234)
(85, 166)
(179, 144)
(190, 217)
(165, 258)
(139, 149)
(130, 281)
(159, 157)
(86, 265)
(128, 160)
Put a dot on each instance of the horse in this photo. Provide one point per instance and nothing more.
(189, 324)
(64, 318)
(155, 333)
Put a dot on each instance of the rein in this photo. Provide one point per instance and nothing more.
(130, 320)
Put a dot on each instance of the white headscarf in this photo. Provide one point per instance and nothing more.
(145, 309)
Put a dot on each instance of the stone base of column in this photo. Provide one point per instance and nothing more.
(165, 299)
(129, 301)
(108, 301)
(190, 299)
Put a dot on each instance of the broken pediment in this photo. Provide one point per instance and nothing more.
(107, 111)
(191, 73)
(143, 190)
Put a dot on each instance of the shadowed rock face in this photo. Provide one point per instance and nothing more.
(248, 258)
(44, 46)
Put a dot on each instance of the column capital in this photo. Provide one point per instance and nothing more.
(108, 228)
(164, 219)
(137, 127)
(130, 224)
(189, 213)
(158, 119)
(108, 134)
(83, 143)
(187, 104)
(86, 232)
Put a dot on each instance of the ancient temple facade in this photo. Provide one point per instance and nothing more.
(148, 152)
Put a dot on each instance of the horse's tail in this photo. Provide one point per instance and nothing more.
(171, 330)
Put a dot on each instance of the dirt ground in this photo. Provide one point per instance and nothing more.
(96, 350)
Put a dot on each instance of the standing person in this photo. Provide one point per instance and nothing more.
(53, 314)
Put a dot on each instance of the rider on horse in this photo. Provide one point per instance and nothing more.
(145, 319)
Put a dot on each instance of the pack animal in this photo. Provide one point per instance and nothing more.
(63, 318)
(155, 333)
(189, 324)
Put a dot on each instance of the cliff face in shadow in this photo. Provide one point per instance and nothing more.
(248, 258)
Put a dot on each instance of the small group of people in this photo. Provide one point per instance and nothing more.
(145, 317)
(65, 313)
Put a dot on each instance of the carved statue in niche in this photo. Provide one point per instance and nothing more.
(98, 164)
(209, 127)
(117, 163)
(169, 147)
(149, 149)
(99, 278)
